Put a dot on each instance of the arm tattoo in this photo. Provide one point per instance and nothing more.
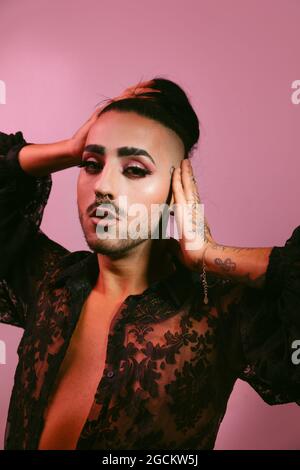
(227, 265)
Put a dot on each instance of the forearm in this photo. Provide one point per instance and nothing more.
(43, 159)
(246, 265)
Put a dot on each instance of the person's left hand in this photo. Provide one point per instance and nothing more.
(192, 241)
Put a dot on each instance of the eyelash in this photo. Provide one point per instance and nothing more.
(94, 166)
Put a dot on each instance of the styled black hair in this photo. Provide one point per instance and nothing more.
(169, 105)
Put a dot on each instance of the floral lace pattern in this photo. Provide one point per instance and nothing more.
(171, 361)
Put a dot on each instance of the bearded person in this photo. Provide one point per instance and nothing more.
(137, 342)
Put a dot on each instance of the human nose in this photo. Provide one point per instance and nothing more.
(106, 182)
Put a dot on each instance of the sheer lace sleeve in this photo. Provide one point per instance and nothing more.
(269, 323)
(26, 253)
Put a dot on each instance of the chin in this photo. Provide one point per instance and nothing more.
(111, 247)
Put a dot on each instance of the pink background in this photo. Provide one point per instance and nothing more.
(236, 60)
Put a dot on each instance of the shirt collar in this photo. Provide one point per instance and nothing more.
(83, 266)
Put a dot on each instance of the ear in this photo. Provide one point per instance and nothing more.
(171, 190)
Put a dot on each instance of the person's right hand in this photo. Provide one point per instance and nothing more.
(77, 142)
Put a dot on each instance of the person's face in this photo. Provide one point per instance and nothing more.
(116, 173)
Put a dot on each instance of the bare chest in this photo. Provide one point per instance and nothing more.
(79, 375)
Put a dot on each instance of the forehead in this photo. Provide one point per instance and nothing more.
(117, 129)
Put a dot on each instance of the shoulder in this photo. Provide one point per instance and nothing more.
(74, 264)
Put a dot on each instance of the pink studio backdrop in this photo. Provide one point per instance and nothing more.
(237, 61)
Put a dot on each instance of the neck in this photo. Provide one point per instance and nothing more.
(135, 270)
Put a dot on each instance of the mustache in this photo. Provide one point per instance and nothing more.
(106, 206)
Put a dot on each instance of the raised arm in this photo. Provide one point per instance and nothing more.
(260, 327)
(246, 265)
(258, 302)
(43, 159)
(26, 253)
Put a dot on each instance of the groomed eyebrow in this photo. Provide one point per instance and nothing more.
(121, 151)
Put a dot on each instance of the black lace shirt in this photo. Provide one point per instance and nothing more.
(171, 360)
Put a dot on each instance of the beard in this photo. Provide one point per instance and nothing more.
(114, 247)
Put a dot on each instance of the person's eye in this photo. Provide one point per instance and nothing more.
(93, 167)
(90, 166)
(136, 171)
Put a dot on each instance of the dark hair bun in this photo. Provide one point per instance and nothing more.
(166, 102)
